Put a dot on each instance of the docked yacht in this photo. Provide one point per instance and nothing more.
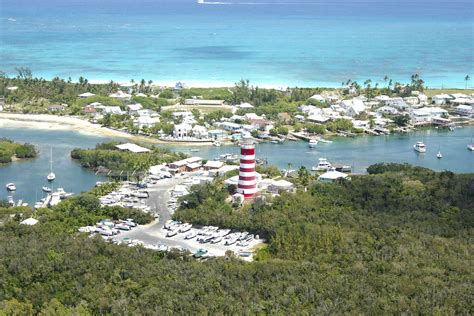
(419, 147)
(323, 165)
(11, 187)
(312, 143)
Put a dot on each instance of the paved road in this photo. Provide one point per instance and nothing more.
(155, 234)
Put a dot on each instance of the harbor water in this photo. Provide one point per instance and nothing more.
(359, 152)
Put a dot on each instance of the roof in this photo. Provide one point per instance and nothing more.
(120, 95)
(193, 165)
(282, 184)
(244, 105)
(135, 107)
(132, 147)
(214, 164)
(332, 175)
(86, 95)
(318, 97)
(29, 221)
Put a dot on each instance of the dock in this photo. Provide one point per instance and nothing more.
(46, 202)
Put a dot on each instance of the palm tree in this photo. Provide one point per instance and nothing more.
(466, 79)
(288, 169)
(367, 88)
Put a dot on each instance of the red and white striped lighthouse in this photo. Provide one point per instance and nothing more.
(247, 181)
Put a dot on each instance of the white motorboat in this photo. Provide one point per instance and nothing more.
(419, 147)
(217, 143)
(439, 155)
(46, 189)
(323, 165)
(11, 187)
(322, 140)
(51, 176)
(312, 143)
(471, 145)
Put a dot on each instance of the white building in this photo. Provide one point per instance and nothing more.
(353, 107)
(146, 121)
(318, 118)
(397, 103)
(332, 176)
(425, 115)
(132, 148)
(387, 110)
(182, 130)
(411, 100)
(244, 105)
(200, 131)
(85, 95)
(111, 110)
(318, 98)
(134, 107)
(120, 95)
(441, 99)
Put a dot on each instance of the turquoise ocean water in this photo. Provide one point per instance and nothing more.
(273, 42)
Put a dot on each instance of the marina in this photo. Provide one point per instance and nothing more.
(356, 152)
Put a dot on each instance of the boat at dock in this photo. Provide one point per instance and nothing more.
(46, 189)
(323, 165)
(419, 147)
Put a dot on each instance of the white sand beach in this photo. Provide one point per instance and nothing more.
(55, 122)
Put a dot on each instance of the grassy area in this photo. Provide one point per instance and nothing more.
(432, 92)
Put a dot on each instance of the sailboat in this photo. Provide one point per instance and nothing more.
(439, 155)
(51, 176)
(471, 146)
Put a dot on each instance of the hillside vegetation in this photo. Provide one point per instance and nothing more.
(396, 241)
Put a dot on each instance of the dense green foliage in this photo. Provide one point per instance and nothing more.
(9, 149)
(107, 156)
(366, 246)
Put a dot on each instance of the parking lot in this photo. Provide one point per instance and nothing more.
(154, 235)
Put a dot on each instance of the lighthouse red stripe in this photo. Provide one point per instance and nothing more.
(247, 169)
(247, 160)
(246, 178)
(247, 151)
(247, 186)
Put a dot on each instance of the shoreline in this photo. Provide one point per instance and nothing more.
(56, 122)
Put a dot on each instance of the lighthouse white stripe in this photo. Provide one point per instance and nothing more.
(248, 157)
(247, 182)
(247, 174)
(247, 165)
